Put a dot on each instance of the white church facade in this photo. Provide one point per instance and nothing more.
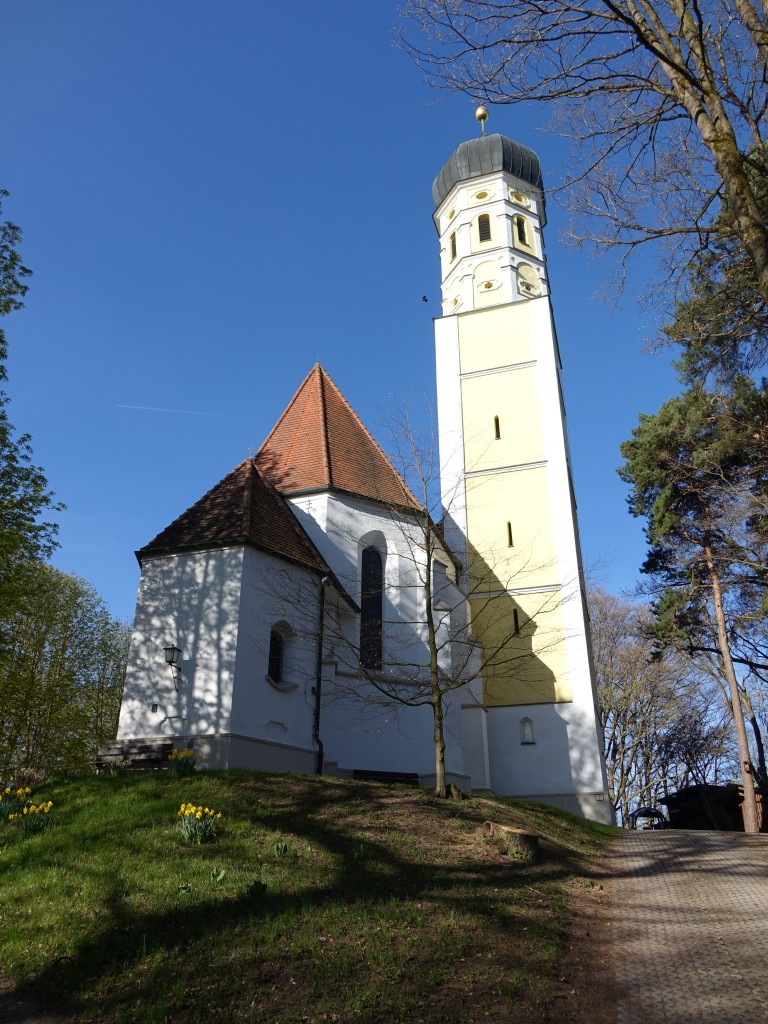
(295, 590)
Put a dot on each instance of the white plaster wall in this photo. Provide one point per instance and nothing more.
(354, 735)
(191, 600)
(475, 742)
(565, 757)
(276, 593)
(451, 439)
(350, 524)
(396, 739)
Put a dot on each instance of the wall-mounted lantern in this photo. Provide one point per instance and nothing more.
(172, 659)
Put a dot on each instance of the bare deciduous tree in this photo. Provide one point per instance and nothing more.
(664, 724)
(442, 626)
(665, 101)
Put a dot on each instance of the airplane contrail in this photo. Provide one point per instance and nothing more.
(183, 412)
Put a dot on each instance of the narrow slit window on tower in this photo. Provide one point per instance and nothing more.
(484, 227)
(510, 543)
(527, 735)
(522, 233)
(516, 622)
(453, 245)
(496, 428)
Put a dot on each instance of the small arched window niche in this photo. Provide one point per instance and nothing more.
(278, 661)
(528, 281)
(527, 734)
(453, 246)
(484, 227)
(371, 608)
(496, 428)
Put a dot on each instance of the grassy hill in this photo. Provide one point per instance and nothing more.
(320, 900)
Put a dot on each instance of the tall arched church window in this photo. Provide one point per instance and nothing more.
(453, 245)
(276, 656)
(484, 227)
(371, 608)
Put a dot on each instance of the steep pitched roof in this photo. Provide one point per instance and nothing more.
(243, 508)
(320, 444)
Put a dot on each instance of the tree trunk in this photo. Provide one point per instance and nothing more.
(437, 708)
(749, 806)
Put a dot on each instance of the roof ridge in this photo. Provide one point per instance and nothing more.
(324, 413)
(287, 409)
(408, 493)
(247, 499)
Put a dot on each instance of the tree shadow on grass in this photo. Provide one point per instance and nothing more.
(397, 921)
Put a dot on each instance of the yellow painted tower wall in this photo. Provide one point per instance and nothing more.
(512, 553)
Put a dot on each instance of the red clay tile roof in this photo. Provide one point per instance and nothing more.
(319, 444)
(243, 508)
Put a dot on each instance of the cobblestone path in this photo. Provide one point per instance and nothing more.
(690, 927)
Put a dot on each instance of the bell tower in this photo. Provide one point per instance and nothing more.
(510, 511)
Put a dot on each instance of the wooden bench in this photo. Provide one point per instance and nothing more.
(149, 755)
(394, 778)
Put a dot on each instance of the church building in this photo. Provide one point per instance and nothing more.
(279, 616)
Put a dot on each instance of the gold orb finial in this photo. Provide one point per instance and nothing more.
(481, 115)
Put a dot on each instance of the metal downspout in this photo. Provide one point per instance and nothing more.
(319, 680)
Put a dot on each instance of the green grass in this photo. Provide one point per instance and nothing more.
(320, 900)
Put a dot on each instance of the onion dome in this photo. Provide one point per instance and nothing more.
(485, 155)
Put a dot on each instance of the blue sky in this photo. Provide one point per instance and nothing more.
(213, 198)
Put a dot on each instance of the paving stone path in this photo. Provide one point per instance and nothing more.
(690, 927)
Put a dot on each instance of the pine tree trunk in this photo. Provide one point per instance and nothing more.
(749, 806)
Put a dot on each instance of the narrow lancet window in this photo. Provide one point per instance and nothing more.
(453, 245)
(371, 608)
(522, 233)
(276, 656)
(510, 540)
(516, 622)
(496, 427)
(484, 227)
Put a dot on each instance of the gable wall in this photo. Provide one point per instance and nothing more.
(191, 600)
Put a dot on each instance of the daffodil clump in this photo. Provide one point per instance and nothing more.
(33, 818)
(12, 800)
(198, 824)
(183, 762)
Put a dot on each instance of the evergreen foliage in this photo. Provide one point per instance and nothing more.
(698, 478)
